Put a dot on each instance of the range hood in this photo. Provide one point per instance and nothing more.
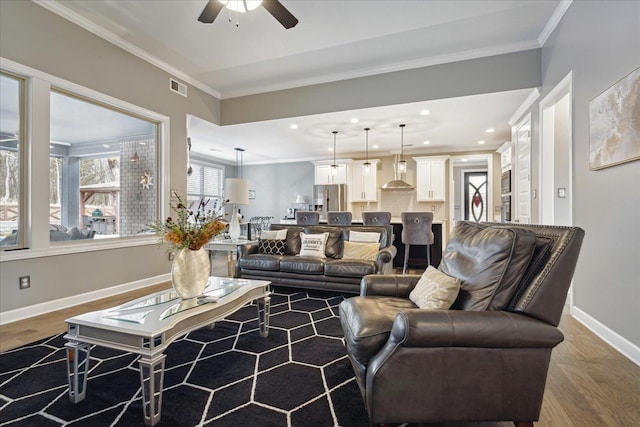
(395, 183)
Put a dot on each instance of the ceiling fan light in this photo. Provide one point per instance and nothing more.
(239, 5)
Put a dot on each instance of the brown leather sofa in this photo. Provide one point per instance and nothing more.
(332, 273)
(487, 358)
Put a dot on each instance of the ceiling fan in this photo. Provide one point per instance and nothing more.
(274, 7)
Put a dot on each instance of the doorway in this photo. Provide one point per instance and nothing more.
(556, 162)
(471, 163)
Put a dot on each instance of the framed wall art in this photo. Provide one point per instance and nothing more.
(614, 123)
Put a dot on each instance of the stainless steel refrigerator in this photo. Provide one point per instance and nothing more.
(331, 197)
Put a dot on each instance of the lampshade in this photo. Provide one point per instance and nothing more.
(300, 199)
(237, 191)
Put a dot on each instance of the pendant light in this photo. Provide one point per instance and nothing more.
(366, 164)
(402, 163)
(334, 166)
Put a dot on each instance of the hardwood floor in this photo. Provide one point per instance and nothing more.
(589, 383)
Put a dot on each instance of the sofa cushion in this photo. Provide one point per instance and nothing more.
(367, 323)
(490, 261)
(292, 245)
(313, 244)
(260, 262)
(271, 246)
(302, 265)
(349, 267)
(360, 250)
(435, 290)
(334, 245)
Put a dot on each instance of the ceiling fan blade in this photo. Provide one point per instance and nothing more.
(210, 12)
(278, 11)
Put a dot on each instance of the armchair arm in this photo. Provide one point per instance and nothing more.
(391, 285)
(479, 329)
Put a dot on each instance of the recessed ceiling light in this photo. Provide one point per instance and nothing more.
(480, 142)
(354, 120)
(106, 145)
(293, 126)
(427, 142)
(376, 146)
(330, 149)
(464, 160)
(425, 112)
(490, 130)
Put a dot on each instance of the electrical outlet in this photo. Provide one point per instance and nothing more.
(172, 256)
(24, 282)
(433, 208)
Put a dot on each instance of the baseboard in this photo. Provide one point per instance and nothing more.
(620, 343)
(49, 306)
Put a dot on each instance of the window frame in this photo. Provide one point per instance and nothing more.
(39, 86)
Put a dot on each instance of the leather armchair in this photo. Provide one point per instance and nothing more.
(428, 366)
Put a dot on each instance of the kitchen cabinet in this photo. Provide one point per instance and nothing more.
(431, 180)
(323, 175)
(363, 187)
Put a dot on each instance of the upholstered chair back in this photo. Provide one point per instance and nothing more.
(376, 218)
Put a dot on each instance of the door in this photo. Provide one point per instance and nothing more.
(475, 196)
(523, 171)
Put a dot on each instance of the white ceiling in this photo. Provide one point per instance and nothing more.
(333, 40)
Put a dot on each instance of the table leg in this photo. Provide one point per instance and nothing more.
(151, 379)
(231, 264)
(264, 306)
(77, 369)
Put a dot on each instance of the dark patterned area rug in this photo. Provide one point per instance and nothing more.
(226, 376)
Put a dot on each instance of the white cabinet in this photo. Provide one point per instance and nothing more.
(505, 156)
(323, 175)
(431, 180)
(363, 187)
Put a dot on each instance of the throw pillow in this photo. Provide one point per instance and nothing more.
(274, 234)
(271, 246)
(360, 250)
(435, 290)
(364, 236)
(313, 244)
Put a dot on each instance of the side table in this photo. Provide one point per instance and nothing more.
(230, 246)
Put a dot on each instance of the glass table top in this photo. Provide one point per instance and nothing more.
(168, 303)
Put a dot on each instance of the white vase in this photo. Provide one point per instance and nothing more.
(234, 226)
(190, 272)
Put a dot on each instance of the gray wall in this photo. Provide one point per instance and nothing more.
(600, 43)
(277, 187)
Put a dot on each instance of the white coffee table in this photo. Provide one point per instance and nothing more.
(147, 325)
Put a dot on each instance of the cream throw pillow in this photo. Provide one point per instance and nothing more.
(313, 244)
(364, 236)
(273, 234)
(435, 290)
(359, 250)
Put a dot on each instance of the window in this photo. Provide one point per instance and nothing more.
(205, 182)
(103, 169)
(12, 202)
(475, 196)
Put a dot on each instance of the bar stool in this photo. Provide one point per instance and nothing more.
(416, 230)
(376, 218)
(307, 218)
(339, 218)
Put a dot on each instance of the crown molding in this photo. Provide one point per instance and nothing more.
(553, 22)
(92, 27)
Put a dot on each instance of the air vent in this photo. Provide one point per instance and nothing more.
(178, 87)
